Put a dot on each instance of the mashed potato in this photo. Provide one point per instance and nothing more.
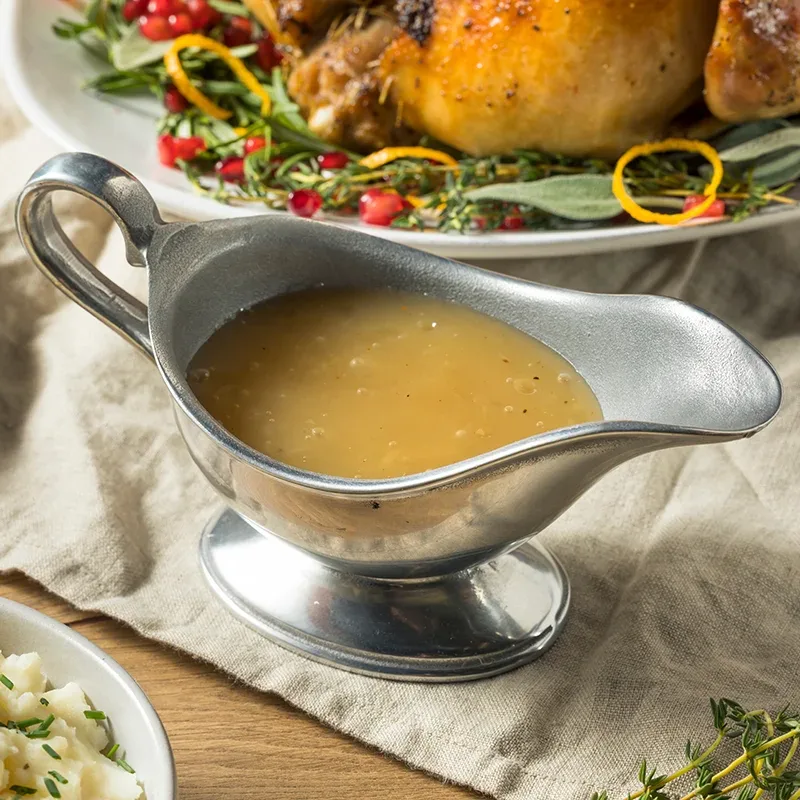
(48, 745)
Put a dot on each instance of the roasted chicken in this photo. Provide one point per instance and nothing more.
(578, 77)
(753, 67)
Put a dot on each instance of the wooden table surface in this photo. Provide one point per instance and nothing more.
(293, 758)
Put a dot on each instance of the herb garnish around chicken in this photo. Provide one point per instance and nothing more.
(765, 767)
(265, 153)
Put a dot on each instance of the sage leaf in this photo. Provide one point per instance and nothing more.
(285, 112)
(779, 170)
(133, 50)
(739, 134)
(577, 197)
(764, 145)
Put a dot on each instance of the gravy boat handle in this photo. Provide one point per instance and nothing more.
(132, 208)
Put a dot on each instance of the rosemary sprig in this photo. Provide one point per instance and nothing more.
(762, 769)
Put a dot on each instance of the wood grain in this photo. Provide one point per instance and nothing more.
(231, 742)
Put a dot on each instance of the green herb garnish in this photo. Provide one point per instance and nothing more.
(121, 762)
(94, 715)
(765, 767)
(112, 752)
(37, 734)
(58, 776)
(47, 723)
(26, 723)
(44, 701)
(52, 753)
(52, 788)
(6, 681)
(22, 789)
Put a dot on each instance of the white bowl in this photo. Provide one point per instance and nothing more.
(68, 656)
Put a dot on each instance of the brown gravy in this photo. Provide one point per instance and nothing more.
(379, 384)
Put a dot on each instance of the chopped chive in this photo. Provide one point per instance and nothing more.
(112, 752)
(58, 776)
(22, 789)
(26, 723)
(49, 750)
(125, 765)
(11, 725)
(7, 682)
(52, 788)
(47, 723)
(37, 734)
(94, 715)
(44, 701)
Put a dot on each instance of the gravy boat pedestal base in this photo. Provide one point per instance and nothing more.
(471, 624)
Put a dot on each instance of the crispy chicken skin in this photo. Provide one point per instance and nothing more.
(338, 90)
(753, 67)
(566, 76)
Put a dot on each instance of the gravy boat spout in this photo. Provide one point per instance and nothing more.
(426, 576)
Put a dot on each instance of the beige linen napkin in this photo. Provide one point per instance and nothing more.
(685, 564)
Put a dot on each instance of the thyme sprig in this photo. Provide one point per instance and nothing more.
(765, 768)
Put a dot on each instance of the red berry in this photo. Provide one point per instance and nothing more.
(268, 56)
(203, 16)
(188, 147)
(512, 223)
(335, 160)
(254, 143)
(304, 202)
(230, 168)
(377, 207)
(174, 101)
(166, 150)
(239, 31)
(162, 8)
(133, 9)
(180, 24)
(715, 210)
(155, 28)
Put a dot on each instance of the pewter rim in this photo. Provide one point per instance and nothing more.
(168, 789)
(186, 401)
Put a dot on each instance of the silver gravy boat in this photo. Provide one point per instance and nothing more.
(431, 576)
